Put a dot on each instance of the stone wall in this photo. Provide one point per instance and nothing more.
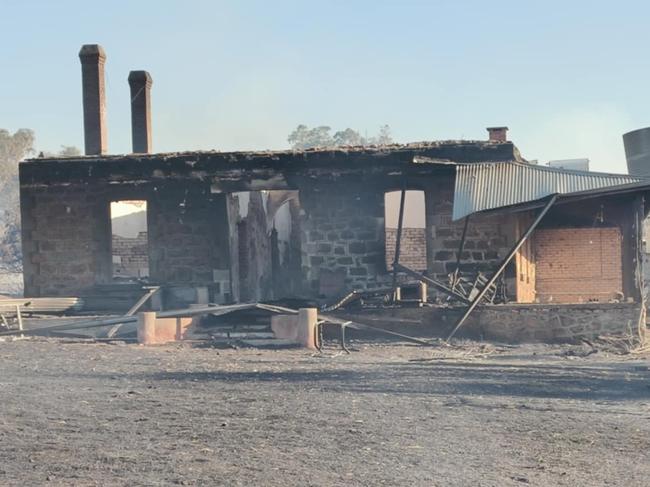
(343, 239)
(189, 242)
(345, 246)
(413, 248)
(67, 237)
(130, 256)
(66, 240)
(510, 323)
(556, 323)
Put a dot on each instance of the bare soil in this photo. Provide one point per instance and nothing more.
(389, 414)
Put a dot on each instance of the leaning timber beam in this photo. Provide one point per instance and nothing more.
(502, 267)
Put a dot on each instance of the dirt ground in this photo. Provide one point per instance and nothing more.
(389, 414)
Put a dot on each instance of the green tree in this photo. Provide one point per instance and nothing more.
(349, 137)
(305, 138)
(69, 151)
(13, 149)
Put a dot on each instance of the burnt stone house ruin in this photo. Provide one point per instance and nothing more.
(251, 226)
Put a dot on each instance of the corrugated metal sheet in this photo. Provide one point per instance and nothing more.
(487, 186)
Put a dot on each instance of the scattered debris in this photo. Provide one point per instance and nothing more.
(619, 344)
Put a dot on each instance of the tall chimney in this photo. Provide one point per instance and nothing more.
(140, 83)
(93, 58)
(498, 134)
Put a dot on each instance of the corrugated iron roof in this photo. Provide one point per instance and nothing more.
(486, 186)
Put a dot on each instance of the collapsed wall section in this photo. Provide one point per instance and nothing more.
(488, 238)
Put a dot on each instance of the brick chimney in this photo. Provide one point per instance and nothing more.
(498, 134)
(140, 83)
(92, 58)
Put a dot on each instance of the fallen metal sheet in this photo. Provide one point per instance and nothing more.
(214, 310)
(42, 305)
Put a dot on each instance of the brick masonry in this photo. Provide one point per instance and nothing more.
(413, 248)
(575, 265)
(130, 256)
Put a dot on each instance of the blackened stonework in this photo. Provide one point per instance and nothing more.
(66, 241)
(558, 323)
(67, 235)
(194, 222)
(356, 219)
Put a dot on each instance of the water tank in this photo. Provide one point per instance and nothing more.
(637, 151)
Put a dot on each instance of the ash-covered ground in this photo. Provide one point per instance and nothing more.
(81, 414)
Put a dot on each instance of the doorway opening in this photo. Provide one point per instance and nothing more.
(413, 247)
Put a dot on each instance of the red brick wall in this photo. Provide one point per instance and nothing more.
(413, 249)
(576, 265)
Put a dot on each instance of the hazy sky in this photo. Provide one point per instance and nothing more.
(567, 77)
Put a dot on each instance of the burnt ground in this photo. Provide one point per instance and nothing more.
(390, 414)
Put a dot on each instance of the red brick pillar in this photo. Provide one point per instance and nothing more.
(92, 58)
(498, 134)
